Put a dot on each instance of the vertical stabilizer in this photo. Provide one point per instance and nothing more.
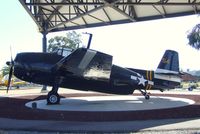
(169, 63)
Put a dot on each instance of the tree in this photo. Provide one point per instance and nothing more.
(194, 37)
(5, 70)
(72, 41)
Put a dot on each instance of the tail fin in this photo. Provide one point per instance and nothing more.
(169, 63)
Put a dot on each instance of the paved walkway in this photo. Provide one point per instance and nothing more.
(149, 126)
(128, 126)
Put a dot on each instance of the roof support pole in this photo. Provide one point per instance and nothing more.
(44, 42)
(44, 48)
(44, 39)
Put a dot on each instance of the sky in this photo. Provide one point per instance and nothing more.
(136, 45)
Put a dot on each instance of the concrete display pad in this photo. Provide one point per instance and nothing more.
(112, 103)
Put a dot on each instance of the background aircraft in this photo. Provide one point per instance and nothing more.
(90, 70)
(14, 82)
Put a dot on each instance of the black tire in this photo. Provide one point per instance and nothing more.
(147, 97)
(53, 98)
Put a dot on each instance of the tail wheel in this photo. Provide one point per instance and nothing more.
(53, 98)
(147, 97)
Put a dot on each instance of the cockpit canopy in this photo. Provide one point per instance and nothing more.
(63, 51)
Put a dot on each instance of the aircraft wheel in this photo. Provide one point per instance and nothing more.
(147, 97)
(53, 98)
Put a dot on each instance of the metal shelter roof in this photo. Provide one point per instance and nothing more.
(58, 15)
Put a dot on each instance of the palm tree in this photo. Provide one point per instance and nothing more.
(194, 37)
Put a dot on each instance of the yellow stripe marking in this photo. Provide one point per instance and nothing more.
(149, 77)
(146, 87)
(150, 87)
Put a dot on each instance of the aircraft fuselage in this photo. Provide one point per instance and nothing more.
(90, 70)
(37, 68)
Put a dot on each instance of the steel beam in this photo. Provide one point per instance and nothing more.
(56, 16)
(189, 3)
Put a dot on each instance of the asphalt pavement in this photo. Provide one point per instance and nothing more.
(164, 126)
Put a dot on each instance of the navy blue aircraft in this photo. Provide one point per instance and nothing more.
(90, 70)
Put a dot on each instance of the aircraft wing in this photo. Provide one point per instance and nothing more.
(86, 63)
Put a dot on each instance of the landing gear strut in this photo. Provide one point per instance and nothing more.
(146, 95)
(53, 96)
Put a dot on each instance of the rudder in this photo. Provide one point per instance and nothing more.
(169, 63)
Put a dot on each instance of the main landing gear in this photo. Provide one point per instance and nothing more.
(146, 95)
(53, 97)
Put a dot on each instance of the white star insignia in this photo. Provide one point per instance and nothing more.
(141, 81)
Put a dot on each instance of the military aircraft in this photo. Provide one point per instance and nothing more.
(14, 82)
(90, 70)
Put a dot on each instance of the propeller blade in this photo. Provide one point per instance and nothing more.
(11, 64)
(9, 77)
(11, 55)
